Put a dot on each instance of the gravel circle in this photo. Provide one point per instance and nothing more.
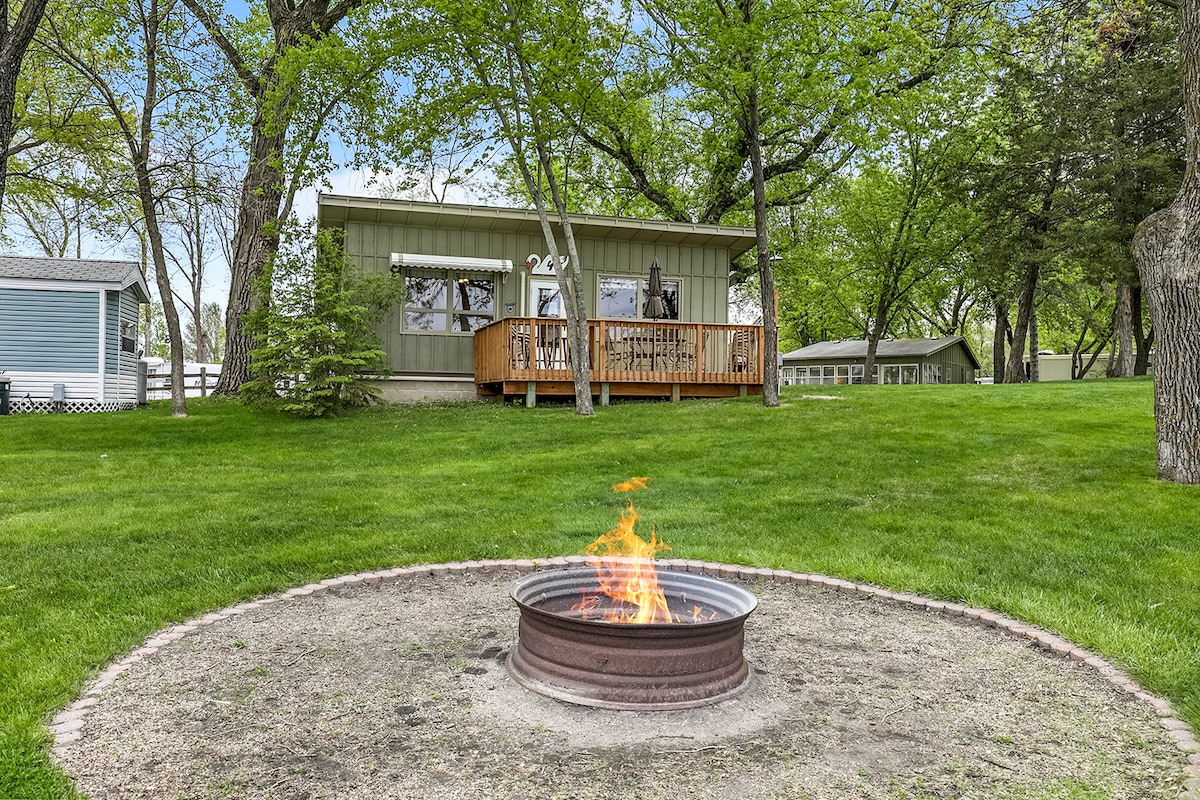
(399, 690)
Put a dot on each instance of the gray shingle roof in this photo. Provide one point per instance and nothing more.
(888, 348)
(122, 273)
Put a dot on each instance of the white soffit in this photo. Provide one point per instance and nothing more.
(452, 262)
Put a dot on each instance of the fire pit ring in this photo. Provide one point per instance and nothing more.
(658, 666)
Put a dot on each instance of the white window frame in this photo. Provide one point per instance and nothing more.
(449, 312)
(640, 298)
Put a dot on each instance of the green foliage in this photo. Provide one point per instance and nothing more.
(892, 249)
(153, 325)
(1090, 142)
(315, 324)
(213, 326)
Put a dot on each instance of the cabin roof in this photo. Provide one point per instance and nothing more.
(117, 274)
(338, 209)
(888, 348)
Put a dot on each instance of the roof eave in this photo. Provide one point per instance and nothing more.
(336, 210)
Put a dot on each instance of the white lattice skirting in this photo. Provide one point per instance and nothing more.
(29, 405)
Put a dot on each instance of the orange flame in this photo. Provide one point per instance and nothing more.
(631, 485)
(625, 570)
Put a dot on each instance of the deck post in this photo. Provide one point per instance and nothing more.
(531, 394)
(604, 393)
(674, 392)
(741, 390)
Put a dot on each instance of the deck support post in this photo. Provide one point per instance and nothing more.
(531, 394)
(741, 390)
(604, 393)
(674, 392)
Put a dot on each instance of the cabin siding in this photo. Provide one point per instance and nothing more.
(954, 363)
(120, 368)
(701, 271)
(45, 330)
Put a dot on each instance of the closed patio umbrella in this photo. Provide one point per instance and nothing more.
(654, 308)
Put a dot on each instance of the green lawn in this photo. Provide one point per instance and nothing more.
(1039, 501)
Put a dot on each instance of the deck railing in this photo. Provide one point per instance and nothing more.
(625, 351)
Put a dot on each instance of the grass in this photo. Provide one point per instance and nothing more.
(1039, 501)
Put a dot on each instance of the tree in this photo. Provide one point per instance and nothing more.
(888, 251)
(191, 222)
(527, 66)
(206, 344)
(772, 97)
(316, 330)
(295, 72)
(1166, 248)
(14, 41)
(1087, 110)
(62, 144)
(140, 67)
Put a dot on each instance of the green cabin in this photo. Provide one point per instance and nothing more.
(898, 361)
(467, 269)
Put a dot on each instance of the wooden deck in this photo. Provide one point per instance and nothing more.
(527, 356)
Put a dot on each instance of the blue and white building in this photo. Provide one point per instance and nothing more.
(68, 333)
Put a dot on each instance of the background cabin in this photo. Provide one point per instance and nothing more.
(900, 361)
(68, 333)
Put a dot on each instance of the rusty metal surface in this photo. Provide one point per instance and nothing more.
(626, 665)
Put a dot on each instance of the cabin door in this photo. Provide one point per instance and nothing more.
(545, 300)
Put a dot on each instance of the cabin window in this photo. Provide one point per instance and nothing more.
(856, 373)
(931, 373)
(626, 298)
(128, 336)
(448, 302)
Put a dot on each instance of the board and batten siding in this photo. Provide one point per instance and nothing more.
(703, 273)
(49, 337)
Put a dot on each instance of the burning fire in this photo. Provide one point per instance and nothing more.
(624, 564)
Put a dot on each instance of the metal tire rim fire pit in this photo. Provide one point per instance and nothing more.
(637, 666)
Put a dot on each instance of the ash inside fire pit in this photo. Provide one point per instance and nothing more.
(567, 651)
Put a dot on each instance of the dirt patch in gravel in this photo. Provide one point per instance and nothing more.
(399, 690)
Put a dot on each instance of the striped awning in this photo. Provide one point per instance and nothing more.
(462, 263)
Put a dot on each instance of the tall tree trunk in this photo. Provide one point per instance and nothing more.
(570, 279)
(1143, 338)
(14, 41)
(1166, 248)
(273, 93)
(163, 281)
(255, 240)
(1014, 370)
(999, 339)
(766, 276)
(139, 150)
(875, 328)
(1034, 372)
(1122, 365)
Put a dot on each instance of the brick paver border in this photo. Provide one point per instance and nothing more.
(68, 723)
